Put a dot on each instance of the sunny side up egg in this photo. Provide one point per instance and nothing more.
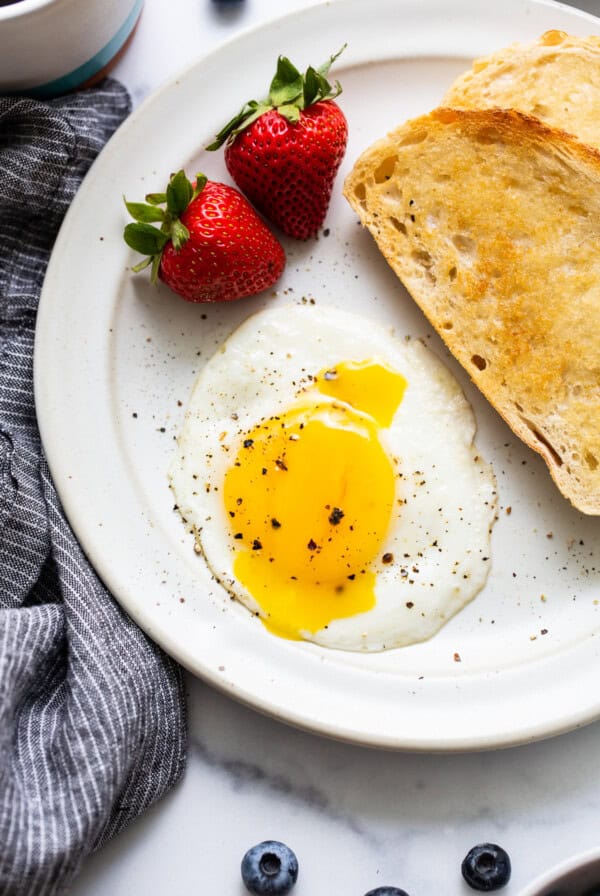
(328, 472)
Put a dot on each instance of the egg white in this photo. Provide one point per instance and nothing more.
(439, 539)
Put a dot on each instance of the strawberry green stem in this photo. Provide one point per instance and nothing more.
(289, 93)
(144, 237)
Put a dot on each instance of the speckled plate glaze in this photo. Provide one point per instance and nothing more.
(116, 359)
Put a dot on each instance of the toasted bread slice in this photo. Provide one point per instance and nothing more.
(556, 78)
(491, 219)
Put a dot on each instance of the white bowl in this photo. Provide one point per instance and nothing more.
(573, 877)
(48, 47)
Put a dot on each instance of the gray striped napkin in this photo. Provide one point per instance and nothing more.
(92, 718)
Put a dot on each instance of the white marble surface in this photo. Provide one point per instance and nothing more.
(357, 818)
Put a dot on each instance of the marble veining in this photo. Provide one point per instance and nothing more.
(243, 775)
(374, 817)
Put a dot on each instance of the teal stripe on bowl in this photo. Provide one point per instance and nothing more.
(86, 71)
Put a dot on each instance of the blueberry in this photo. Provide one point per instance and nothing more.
(269, 869)
(486, 867)
(386, 891)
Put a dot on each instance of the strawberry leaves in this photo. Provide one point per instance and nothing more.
(204, 241)
(287, 84)
(289, 93)
(150, 241)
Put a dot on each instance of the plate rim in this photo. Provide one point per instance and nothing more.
(51, 439)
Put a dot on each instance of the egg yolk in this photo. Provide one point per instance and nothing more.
(310, 498)
(370, 387)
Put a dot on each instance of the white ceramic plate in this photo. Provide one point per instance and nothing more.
(116, 360)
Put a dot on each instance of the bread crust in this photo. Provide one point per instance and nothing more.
(491, 219)
(556, 78)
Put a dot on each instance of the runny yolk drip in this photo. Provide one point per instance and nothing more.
(310, 498)
(367, 386)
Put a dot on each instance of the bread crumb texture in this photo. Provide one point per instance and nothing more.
(491, 219)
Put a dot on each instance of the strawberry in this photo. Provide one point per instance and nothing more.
(285, 151)
(211, 245)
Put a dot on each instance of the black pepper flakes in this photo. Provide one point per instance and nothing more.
(248, 443)
(275, 523)
(256, 545)
(312, 545)
(387, 558)
(336, 516)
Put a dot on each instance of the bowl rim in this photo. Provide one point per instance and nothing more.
(578, 862)
(18, 9)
